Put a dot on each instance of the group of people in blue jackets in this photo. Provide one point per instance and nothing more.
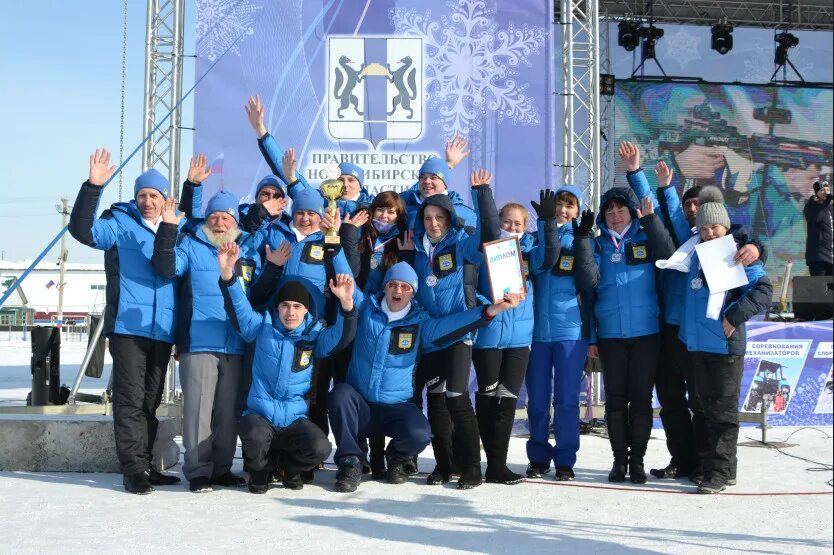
(388, 297)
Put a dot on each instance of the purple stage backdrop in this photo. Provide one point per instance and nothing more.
(382, 83)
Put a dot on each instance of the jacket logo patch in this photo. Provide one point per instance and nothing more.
(317, 252)
(304, 359)
(246, 272)
(566, 263)
(639, 252)
(445, 262)
(405, 340)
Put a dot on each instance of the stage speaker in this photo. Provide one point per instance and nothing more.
(813, 297)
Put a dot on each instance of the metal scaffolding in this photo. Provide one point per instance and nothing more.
(163, 87)
(579, 22)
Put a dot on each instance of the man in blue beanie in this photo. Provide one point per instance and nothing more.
(140, 315)
(210, 348)
(376, 398)
(433, 179)
(269, 202)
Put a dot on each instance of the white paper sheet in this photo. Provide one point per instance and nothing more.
(716, 258)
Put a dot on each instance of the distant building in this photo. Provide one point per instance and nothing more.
(37, 296)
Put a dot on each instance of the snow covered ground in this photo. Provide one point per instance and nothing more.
(779, 505)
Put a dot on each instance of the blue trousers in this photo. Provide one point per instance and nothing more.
(554, 375)
(351, 418)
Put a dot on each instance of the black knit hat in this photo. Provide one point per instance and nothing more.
(692, 192)
(293, 291)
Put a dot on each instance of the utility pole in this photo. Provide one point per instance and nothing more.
(63, 209)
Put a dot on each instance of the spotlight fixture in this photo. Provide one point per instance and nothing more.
(722, 38)
(651, 35)
(628, 35)
(606, 84)
(784, 41)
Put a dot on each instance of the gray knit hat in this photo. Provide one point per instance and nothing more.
(711, 209)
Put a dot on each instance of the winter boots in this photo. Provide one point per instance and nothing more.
(495, 422)
(441, 442)
(349, 474)
(617, 423)
(467, 439)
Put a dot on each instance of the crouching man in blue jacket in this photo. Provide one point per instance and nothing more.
(288, 339)
(376, 397)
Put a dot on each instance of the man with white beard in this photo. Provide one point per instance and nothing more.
(210, 349)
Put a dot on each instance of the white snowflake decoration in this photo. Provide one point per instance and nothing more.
(682, 46)
(220, 23)
(469, 68)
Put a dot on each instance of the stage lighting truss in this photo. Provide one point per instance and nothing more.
(722, 37)
(651, 35)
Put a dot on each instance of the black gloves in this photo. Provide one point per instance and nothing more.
(586, 223)
(546, 207)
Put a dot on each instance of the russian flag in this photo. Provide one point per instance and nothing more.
(50, 285)
(217, 164)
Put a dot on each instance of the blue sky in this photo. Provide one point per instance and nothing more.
(60, 99)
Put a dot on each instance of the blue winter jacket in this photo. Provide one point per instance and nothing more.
(674, 285)
(385, 354)
(140, 302)
(203, 326)
(272, 153)
(309, 263)
(707, 335)
(563, 288)
(368, 265)
(626, 303)
(414, 200)
(282, 367)
(453, 262)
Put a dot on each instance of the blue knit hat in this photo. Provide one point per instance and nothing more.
(308, 199)
(436, 166)
(573, 190)
(401, 271)
(352, 169)
(152, 179)
(270, 181)
(223, 201)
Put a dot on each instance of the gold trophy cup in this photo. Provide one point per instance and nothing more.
(331, 189)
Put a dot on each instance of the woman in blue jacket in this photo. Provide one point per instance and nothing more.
(628, 321)
(287, 340)
(140, 316)
(563, 281)
(447, 256)
(715, 337)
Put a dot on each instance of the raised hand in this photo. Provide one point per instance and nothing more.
(275, 206)
(586, 223)
(510, 300)
(100, 168)
(546, 207)
(630, 155)
(169, 212)
(358, 220)
(288, 164)
(663, 173)
(198, 169)
(406, 242)
(342, 287)
(280, 256)
(480, 178)
(331, 220)
(456, 151)
(227, 255)
(646, 207)
(255, 113)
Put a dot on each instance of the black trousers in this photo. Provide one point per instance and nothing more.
(451, 364)
(299, 447)
(629, 369)
(718, 381)
(821, 268)
(495, 367)
(139, 366)
(680, 409)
